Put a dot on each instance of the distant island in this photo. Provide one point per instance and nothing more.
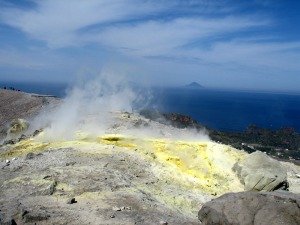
(194, 85)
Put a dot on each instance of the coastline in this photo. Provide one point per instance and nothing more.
(282, 143)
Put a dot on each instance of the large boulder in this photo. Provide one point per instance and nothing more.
(259, 172)
(252, 208)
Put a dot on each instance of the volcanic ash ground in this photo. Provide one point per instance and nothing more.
(135, 171)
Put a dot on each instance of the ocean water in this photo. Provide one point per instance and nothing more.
(57, 89)
(218, 109)
(231, 110)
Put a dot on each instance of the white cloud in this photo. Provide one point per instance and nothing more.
(154, 38)
(139, 25)
(57, 22)
(204, 33)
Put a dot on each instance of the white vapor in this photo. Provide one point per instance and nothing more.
(87, 108)
(104, 105)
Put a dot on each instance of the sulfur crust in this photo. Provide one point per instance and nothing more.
(181, 167)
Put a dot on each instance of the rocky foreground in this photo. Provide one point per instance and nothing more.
(138, 171)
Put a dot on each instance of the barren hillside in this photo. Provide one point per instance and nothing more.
(15, 105)
(136, 171)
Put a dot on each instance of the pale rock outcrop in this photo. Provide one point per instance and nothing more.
(259, 172)
(252, 208)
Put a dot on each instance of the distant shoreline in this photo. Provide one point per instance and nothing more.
(282, 143)
(41, 96)
(38, 88)
(220, 109)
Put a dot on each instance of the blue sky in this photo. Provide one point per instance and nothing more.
(252, 44)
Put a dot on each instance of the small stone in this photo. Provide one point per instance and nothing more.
(122, 208)
(298, 175)
(52, 187)
(23, 212)
(115, 208)
(36, 132)
(163, 223)
(112, 216)
(47, 177)
(7, 161)
(30, 155)
(23, 137)
(70, 163)
(71, 201)
(128, 208)
(13, 159)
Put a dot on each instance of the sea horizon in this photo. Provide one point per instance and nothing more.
(216, 108)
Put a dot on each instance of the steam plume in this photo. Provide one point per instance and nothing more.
(92, 100)
(89, 108)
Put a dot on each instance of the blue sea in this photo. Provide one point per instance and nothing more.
(232, 110)
(218, 109)
(57, 89)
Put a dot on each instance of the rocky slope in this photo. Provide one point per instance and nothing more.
(15, 105)
(136, 171)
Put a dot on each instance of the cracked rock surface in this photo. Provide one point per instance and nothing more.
(252, 208)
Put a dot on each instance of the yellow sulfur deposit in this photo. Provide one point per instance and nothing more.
(118, 140)
(199, 164)
(25, 147)
(205, 163)
(184, 171)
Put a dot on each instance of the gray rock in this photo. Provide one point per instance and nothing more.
(115, 208)
(35, 216)
(36, 132)
(259, 172)
(71, 201)
(52, 187)
(10, 142)
(30, 155)
(9, 222)
(70, 163)
(23, 137)
(252, 208)
(23, 212)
